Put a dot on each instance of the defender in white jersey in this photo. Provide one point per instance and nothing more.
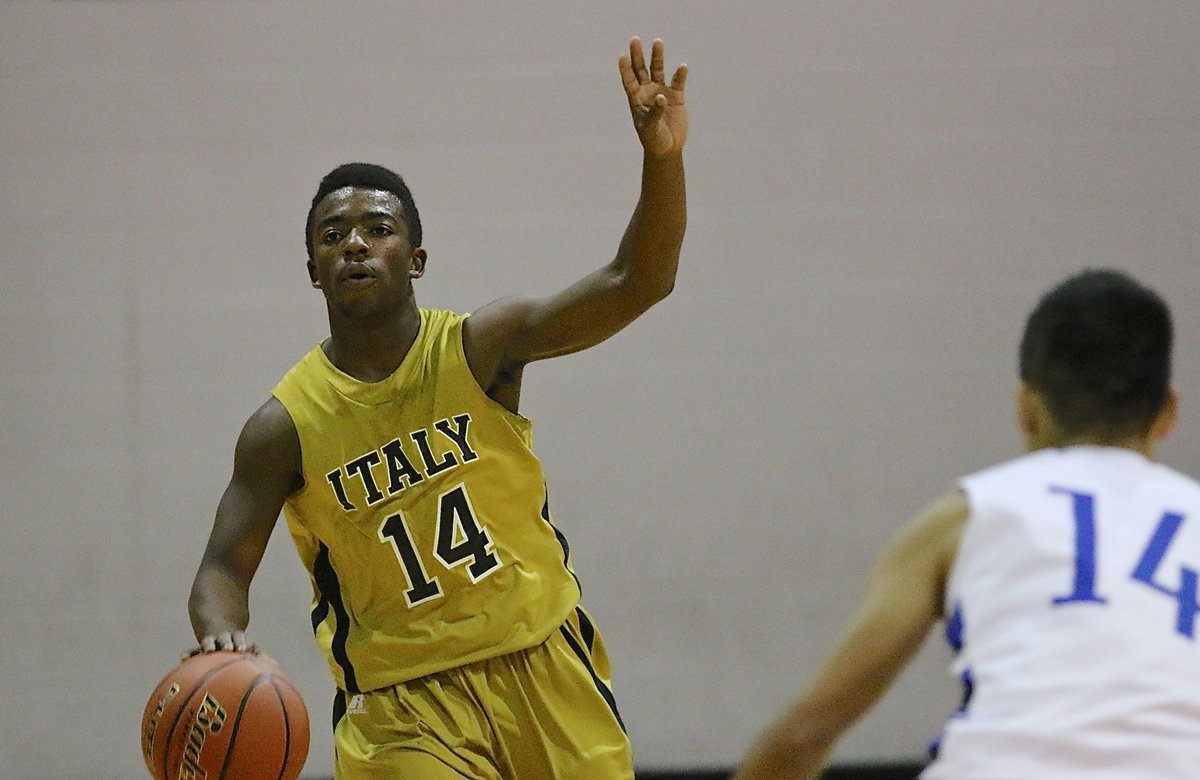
(1067, 578)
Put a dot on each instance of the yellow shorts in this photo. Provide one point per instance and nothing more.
(546, 713)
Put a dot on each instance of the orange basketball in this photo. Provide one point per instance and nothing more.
(225, 716)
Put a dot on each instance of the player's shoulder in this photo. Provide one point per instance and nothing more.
(308, 368)
(1030, 461)
(1065, 458)
(434, 317)
(1184, 485)
(439, 326)
(1083, 463)
(269, 427)
(940, 522)
(498, 320)
(1008, 483)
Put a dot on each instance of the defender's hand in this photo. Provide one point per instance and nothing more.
(659, 114)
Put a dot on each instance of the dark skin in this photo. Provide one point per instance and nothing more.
(365, 266)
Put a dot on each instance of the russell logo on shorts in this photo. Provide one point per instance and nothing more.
(357, 705)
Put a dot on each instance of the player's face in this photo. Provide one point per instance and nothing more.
(362, 259)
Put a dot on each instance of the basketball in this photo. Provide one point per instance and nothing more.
(225, 716)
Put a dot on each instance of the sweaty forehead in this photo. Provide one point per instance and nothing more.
(349, 201)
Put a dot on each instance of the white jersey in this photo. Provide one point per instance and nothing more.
(1072, 605)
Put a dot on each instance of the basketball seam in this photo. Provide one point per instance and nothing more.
(289, 684)
(183, 708)
(287, 729)
(237, 722)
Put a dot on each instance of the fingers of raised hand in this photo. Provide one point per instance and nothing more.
(628, 79)
(680, 77)
(638, 60)
(636, 77)
(656, 62)
(633, 68)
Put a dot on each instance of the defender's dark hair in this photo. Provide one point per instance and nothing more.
(372, 177)
(1097, 348)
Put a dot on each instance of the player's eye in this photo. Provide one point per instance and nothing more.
(381, 230)
(331, 236)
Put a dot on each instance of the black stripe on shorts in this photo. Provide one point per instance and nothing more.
(339, 707)
(587, 662)
(586, 630)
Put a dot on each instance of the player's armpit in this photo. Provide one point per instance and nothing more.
(512, 332)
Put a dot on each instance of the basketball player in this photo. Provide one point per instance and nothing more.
(443, 593)
(1067, 577)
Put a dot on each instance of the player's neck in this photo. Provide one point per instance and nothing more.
(1136, 443)
(371, 350)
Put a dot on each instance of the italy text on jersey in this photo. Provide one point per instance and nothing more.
(400, 469)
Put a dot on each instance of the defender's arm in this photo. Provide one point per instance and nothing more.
(903, 600)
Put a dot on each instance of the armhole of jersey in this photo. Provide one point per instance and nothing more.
(952, 594)
(460, 352)
(299, 443)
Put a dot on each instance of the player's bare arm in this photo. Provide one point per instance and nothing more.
(902, 602)
(503, 336)
(266, 468)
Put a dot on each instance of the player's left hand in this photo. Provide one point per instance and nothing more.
(659, 113)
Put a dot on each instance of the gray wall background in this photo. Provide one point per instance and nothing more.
(879, 191)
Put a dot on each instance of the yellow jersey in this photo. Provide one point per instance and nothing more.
(423, 519)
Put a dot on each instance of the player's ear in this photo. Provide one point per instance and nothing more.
(1165, 421)
(416, 263)
(1029, 414)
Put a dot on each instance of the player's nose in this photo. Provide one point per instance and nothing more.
(355, 243)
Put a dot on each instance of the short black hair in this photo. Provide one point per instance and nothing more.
(371, 177)
(1097, 348)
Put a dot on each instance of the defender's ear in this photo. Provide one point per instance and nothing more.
(1165, 421)
(1033, 418)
